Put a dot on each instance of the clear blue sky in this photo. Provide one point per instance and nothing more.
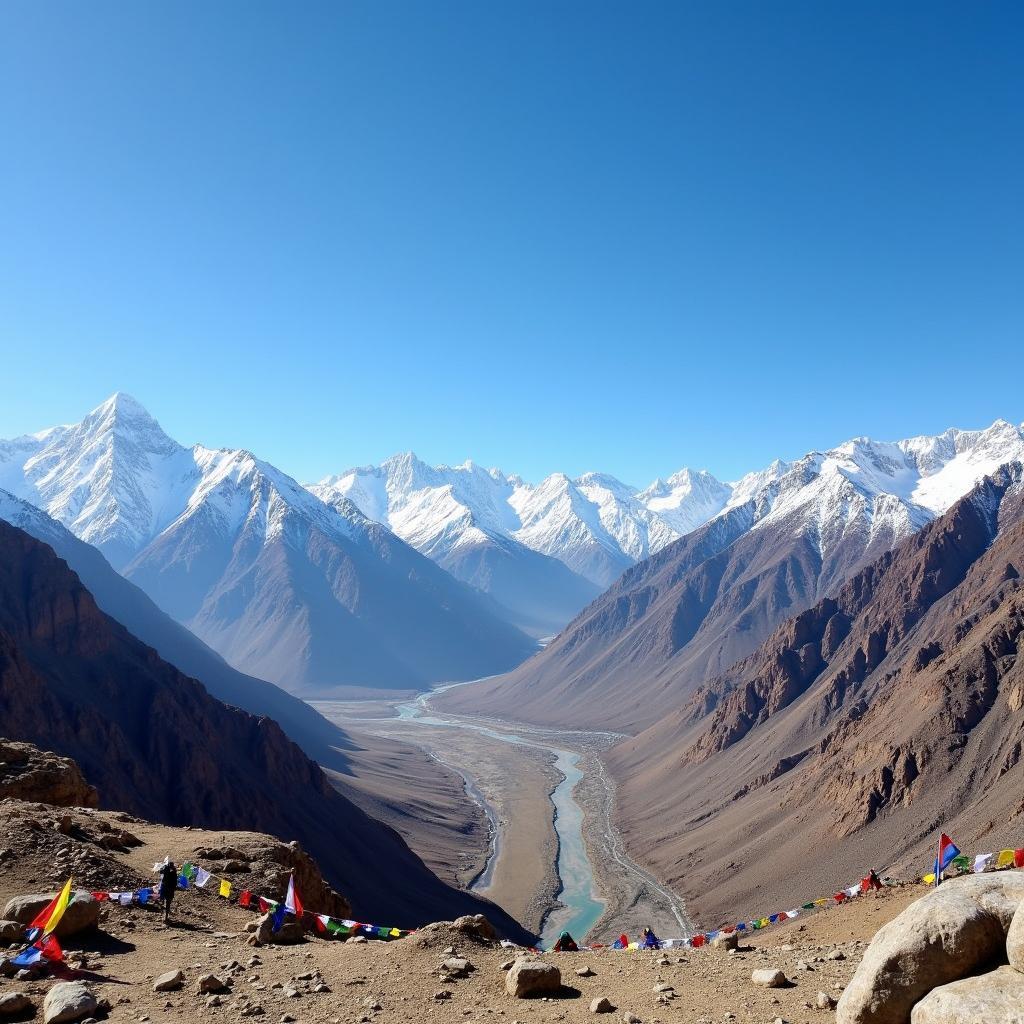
(544, 235)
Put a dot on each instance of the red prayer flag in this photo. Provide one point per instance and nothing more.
(697, 941)
(245, 898)
(1018, 858)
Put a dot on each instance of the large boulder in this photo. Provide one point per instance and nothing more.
(528, 978)
(1015, 940)
(82, 912)
(995, 998)
(68, 1000)
(944, 936)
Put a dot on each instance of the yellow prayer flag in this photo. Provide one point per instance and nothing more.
(395, 933)
(60, 904)
(1005, 859)
(929, 878)
(225, 889)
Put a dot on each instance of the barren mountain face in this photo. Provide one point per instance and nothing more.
(856, 729)
(155, 743)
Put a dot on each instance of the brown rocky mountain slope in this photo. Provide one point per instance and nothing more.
(687, 613)
(154, 742)
(857, 731)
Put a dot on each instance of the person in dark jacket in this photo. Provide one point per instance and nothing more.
(168, 885)
(566, 944)
(649, 940)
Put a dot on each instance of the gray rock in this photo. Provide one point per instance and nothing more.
(68, 1000)
(943, 937)
(601, 1005)
(457, 967)
(631, 1018)
(824, 1001)
(529, 978)
(1015, 940)
(169, 982)
(584, 972)
(210, 983)
(477, 926)
(768, 977)
(83, 911)
(14, 1002)
(995, 998)
(11, 932)
(290, 932)
(726, 941)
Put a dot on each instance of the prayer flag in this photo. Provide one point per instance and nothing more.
(144, 895)
(202, 877)
(125, 899)
(263, 905)
(49, 917)
(929, 878)
(182, 881)
(245, 899)
(622, 942)
(948, 851)
(395, 933)
(225, 888)
(27, 957)
(1018, 858)
(291, 901)
(982, 861)
(1005, 859)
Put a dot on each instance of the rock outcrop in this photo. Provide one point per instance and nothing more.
(994, 998)
(40, 776)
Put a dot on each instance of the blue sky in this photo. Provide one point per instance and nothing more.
(554, 235)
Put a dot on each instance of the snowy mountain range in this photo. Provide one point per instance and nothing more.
(401, 574)
(788, 537)
(308, 595)
(488, 528)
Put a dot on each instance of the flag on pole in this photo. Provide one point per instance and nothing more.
(948, 850)
(49, 917)
(291, 901)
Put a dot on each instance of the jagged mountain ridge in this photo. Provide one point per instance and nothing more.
(595, 525)
(789, 536)
(861, 726)
(285, 587)
(155, 743)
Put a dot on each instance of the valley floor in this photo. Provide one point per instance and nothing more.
(514, 782)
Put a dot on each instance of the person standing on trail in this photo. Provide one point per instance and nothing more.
(168, 885)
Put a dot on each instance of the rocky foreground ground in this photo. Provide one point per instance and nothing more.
(334, 981)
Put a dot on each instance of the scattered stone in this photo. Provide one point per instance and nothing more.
(169, 982)
(825, 1002)
(252, 1010)
(601, 1005)
(214, 1001)
(442, 995)
(457, 967)
(768, 977)
(507, 965)
(290, 932)
(584, 972)
(803, 965)
(836, 954)
(68, 1000)
(14, 1002)
(663, 987)
(631, 1018)
(726, 941)
(528, 978)
(210, 983)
